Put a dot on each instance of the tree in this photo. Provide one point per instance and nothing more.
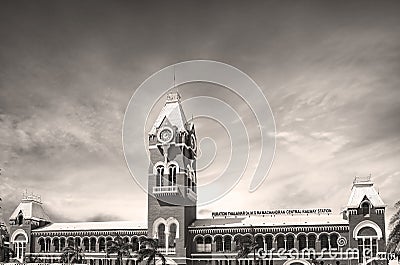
(72, 254)
(393, 245)
(120, 247)
(6, 253)
(150, 251)
(246, 246)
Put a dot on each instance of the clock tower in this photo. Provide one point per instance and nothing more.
(172, 182)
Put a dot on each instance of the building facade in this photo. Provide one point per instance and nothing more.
(281, 237)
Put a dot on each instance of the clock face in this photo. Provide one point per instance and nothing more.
(165, 135)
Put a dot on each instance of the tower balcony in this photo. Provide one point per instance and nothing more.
(165, 190)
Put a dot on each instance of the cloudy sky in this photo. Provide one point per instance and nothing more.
(330, 71)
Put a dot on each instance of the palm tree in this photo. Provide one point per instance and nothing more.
(150, 251)
(120, 247)
(72, 254)
(247, 246)
(393, 245)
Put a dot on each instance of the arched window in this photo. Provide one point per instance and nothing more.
(41, 244)
(20, 242)
(77, 242)
(367, 243)
(160, 176)
(302, 242)
(62, 243)
(48, 244)
(260, 241)
(56, 244)
(289, 242)
(207, 244)
(227, 243)
(172, 235)
(311, 241)
(93, 244)
(135, 244)
(200, 244)
(102, 244)
(268, 242)
(365, 206)
(141, 239)
(333, 240)
(280, 242)
(70, 242)
(20, 219)
(172, 175)
(86, 244)
(324, 241)
(219, 246)
(161, 235)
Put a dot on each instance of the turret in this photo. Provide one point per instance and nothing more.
(365, 212)
(28, 215)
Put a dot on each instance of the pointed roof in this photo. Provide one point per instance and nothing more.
(363, 188)
(173, 112)
(31, 208)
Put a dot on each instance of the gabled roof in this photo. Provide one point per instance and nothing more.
(173, 112)
(31, 210)
(270, 221)
(364, 188)
(81, 226)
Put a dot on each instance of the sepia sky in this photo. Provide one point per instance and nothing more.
(329, 69)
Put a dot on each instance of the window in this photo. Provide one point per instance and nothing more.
(324, 241)
(48, 244)
(333, 240)
(199, 244)
(280, 241)
(77, 242)
(365, 208)
(56, 244)
(218, 244)
(311, 241)
(367, 243)
(172, 236)
(62, 243)
(70, 242)
(20, 219)
(289, 242)
(93, 244)
(260, 241)
(207, 244)
(302, 242)
(172, 175)
(161, 235)
(102, 244)
(227, 243)
(135, 244)
(159, 176)
(41, 244)
(86, 244)
(20, 246)
(268, 242)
